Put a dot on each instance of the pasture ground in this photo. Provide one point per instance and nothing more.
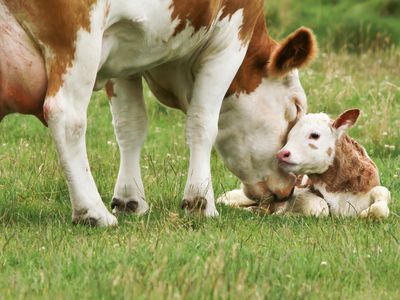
(166, 254)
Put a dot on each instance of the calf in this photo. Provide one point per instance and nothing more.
(339, 169)
(340, 178)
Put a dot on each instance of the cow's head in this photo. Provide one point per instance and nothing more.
(310, 148)
(253, 125)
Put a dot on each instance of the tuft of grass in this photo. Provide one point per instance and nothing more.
(167, 255)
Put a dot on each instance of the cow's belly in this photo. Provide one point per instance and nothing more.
(23, 78)
(130, 48)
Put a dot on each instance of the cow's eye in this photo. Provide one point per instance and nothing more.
(314, 136)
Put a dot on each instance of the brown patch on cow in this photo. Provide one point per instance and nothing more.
(110, 90)
(253, 31)
(54, 24)
(296, 50)
(329, 151)
(258, 192)
(200, 13)
(352, 170)
(251, 12)
(312, 146)
(254, 65)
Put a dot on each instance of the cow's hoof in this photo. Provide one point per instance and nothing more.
(199, 204)
(195, 204)
(94, 219)
(129, 206)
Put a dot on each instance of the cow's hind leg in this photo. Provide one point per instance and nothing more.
(379, 198)
(65, 109)
(130, 124)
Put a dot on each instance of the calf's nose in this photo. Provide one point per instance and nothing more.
(283, 155)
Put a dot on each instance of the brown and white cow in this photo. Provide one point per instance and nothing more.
(212, 59)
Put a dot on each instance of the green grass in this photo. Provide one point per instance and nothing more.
(166, 254)
(339, 24)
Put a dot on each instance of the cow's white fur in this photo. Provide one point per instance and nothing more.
(254, 125)
(130, 124)
(136, 39)
(66, 113)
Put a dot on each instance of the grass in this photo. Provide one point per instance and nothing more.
(166, 254)
(339, 24)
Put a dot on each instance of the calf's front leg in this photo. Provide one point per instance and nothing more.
(379, 198)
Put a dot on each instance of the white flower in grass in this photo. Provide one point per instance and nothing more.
(324, 263)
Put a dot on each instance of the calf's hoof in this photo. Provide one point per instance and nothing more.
(378, 210)
(201, 205)
(94, 218)
(128, 206)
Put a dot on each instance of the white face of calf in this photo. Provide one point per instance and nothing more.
(310, 148)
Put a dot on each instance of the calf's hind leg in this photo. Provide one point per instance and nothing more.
(130, 125)
(379, 209)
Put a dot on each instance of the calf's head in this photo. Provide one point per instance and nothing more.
(310, 148)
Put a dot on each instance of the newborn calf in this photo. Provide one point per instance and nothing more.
(339, 169)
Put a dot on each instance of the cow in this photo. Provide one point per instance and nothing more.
(212, 59)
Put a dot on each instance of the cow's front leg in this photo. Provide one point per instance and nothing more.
(65, 109)
(212, 80)
(130, 124)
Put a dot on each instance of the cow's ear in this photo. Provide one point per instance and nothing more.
(346, 120)
(298, 49)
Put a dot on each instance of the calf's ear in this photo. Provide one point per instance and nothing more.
(298, 49)
(346, 120)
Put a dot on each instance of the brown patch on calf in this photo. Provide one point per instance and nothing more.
(352, 170)
(329, 151)
(349, 117)
(54, 24)
(312, 146)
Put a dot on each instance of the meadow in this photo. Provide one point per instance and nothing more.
(168, 255)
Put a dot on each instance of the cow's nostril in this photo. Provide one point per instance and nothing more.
(286, 154)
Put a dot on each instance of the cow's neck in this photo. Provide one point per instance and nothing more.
(254, 66)
(351, 171)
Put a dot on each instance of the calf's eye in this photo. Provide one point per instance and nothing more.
(314, 136)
